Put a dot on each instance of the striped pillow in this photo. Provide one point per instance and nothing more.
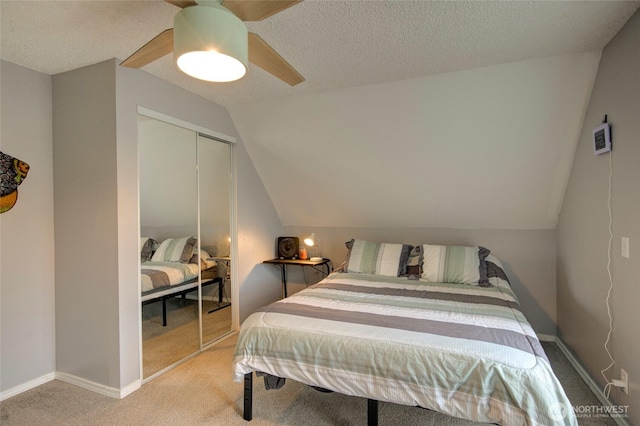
(454, 264)
(367, 257)
(175, 250)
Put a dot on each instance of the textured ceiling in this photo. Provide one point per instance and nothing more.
(334, 44)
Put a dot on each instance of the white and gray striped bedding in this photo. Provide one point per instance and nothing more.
(463, 350)
(155, 275)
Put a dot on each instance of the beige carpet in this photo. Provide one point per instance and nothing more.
(163, 346)
(201, 392)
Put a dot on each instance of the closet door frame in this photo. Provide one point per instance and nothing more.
(221, 137)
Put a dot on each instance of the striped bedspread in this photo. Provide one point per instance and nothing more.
(462, 350)
(154, 275)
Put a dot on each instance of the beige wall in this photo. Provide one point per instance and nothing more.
(583, 235)
(528, 256)
(27, 319)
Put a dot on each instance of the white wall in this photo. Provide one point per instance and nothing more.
(27, 318)
(583, 228)
(481, 148)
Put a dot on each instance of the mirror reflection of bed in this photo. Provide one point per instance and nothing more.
(184, 242)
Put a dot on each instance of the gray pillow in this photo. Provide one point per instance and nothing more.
(147, 247)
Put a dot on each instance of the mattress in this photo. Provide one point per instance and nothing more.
(463, 350)
(159, 275)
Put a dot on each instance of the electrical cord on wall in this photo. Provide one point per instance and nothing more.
(608, 385)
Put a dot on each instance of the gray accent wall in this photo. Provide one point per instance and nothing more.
(86, 224)
(583, 227)
(27, 317)
(75, 315)
(96, 181)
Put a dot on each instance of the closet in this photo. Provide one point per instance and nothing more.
(185, 186)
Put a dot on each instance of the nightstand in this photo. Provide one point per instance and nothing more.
(210, 276)
(209, 273)
(318, 265)
(221, 272)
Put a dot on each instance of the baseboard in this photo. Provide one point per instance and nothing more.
(97, 387)
(26, 386)
(546, 338)
(597, 391)
(127, 390)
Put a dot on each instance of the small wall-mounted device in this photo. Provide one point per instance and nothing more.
(602, 138)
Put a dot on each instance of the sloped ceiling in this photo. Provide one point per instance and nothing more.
(485, 148)
(457, 114)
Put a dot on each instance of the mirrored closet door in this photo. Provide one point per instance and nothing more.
(185, 280)
(214, 178)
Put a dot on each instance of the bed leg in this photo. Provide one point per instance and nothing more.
(248, 396)
(164, 312)
(372, 412)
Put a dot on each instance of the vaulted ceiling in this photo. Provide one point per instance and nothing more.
(414, 113)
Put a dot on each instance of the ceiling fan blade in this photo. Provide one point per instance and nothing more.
(263, 55)
(182, 3)
(257, 10)
(160, 45)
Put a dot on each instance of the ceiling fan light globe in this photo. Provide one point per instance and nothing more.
(211, 66)
(210, 43)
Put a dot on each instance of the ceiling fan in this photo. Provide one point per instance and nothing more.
(200, 20)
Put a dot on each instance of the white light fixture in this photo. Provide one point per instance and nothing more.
(312, 241)
(210, 43)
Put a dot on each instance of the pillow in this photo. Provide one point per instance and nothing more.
(367, 257)
(495, 271)
(414, 263)
(454, 264)
(175, 250)
(147, 246)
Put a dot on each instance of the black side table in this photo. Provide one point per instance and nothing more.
(318, 265)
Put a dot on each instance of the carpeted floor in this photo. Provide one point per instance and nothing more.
(201, 392)
(163, 346)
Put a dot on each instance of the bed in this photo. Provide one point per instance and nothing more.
(461, 348)
(171, 269)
